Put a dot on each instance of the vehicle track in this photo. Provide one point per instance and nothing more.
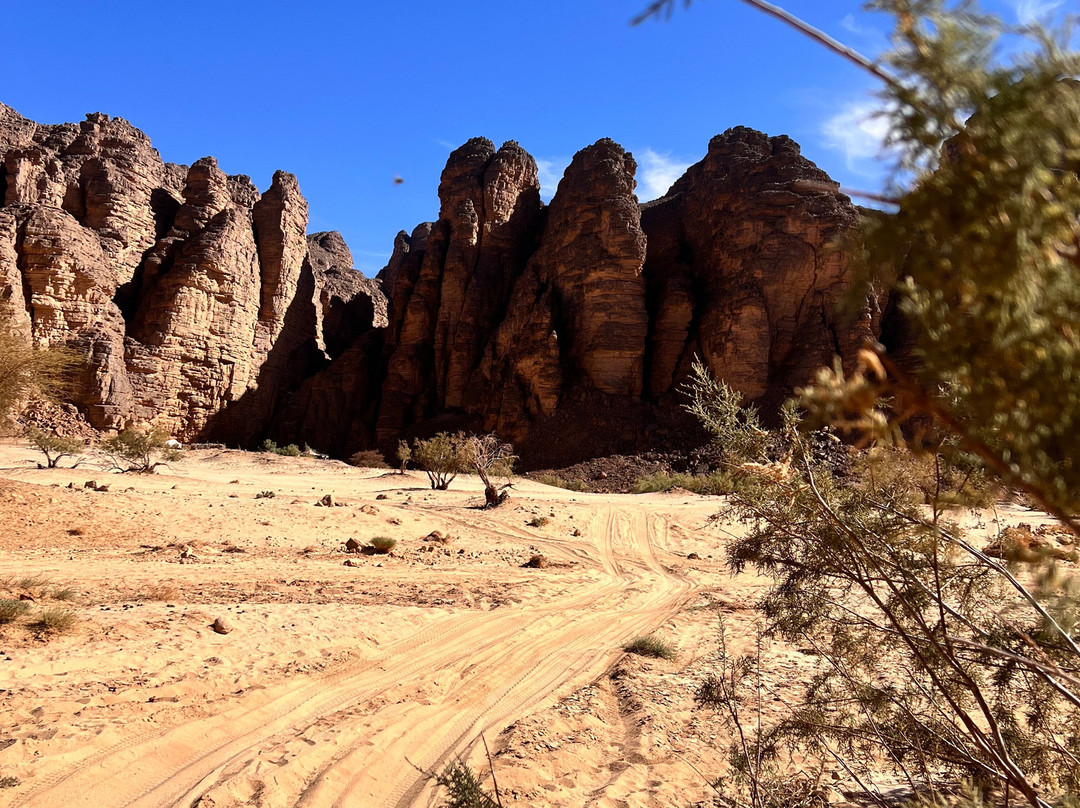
(497, 666)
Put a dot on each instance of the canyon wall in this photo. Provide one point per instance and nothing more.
(200, 302)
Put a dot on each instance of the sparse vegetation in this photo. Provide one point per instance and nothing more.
(442, 458)
(382, 545)
(558, 482)
(736, 429)
(54, 620)
(10, 781)
(12, 610)
(463, 788)
(265, 495)
(292, 450)
(404, 455)
(539, 521)
(161, 592)
(28, 373)
(369, 459)
(55, 447)
(650, 647)
(490, 457)
(139, 451)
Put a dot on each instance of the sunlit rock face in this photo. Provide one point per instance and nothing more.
(202, 303)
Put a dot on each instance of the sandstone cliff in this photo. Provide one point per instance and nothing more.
(202, 303)
(190, 294)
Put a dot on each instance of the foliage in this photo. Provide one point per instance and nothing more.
(12, 610)
(935, 655)
(369, 459)
(383, 544)
(735, 428)
(28, 373)
(539, 521)
(924, 478)
(55, 447)
(650, 647)
(54, 620)
(463, 788)
(404, 455)
(292, 450)
(266, 494)
(442, 458)
(715, 484)
(134, 450)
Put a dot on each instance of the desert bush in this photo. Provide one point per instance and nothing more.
(12, 610)
(369, 459)
(923, 477)
(55, 447)
(490, 457)
(463, 788)
(736, 429)
(65, 593)
(539, 521)
(383, 544)
(10, 781)
(160, 592)
(265, 495)
(292, 450)
(442, 458)
(404, 455)
(28, 373)
(134, 450)
(650, 647)
(558, 482)
(54, 620)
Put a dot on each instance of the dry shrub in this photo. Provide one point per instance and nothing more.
(54, 620)
(369, 459)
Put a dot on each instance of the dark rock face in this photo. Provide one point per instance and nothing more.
(190, 294)
(202, 303)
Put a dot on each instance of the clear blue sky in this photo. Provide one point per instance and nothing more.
(348, 95)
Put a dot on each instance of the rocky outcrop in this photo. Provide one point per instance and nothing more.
(569, 329)
(190, 294)
(202, 303)
(743, 270)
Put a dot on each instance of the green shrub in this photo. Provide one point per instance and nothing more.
(135, 450)
(442, 458)
(383, 544)
(67, 593)
(55, 447)
(12, 610)
(650, 647)
(54, 621)
(292, 450)
(265, 495)
(539, 521)
(715, 484)
(463, 788)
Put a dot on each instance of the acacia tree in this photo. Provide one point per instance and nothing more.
(938, 658)
(490, 457)
(27, 372)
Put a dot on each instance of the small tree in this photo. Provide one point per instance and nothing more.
(136, 450)
(490, 457)
(442, 458)
(735, 428)
(404, 455)
(27, 372)
(55, 447)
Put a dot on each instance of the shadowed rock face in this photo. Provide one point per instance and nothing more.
(190, 294)
(568, 328)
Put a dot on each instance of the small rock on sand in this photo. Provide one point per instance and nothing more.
(222, 625)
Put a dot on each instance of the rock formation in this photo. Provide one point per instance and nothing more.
(568, 328)
(190, 295)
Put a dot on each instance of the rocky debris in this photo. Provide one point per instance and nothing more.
(370, 510)
(537, 562)
(353, 546)
(222, 625)
(326, 502)
(381, 497)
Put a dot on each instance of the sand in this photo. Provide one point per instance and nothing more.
(342, 685)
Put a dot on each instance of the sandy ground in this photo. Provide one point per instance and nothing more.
(338, 684)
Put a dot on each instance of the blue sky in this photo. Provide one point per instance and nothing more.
(348, 95)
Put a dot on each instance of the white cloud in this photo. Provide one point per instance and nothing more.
(858, 133)
(657, 172)
(1029, 11)
(551, 172)
(868, 37)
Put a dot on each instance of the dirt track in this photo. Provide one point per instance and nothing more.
(333, 682)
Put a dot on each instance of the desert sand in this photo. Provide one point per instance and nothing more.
(341, 685)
